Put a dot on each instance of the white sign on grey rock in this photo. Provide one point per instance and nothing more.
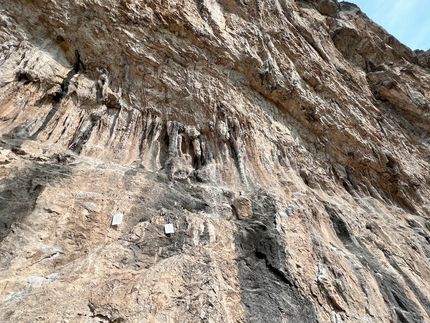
(117, 219)
(168, 228)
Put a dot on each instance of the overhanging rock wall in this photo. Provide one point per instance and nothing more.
(308, 113)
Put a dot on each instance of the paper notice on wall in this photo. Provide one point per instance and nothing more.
(117, 219)
(168, 228)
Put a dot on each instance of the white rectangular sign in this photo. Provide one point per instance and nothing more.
(117, 219)
(168, 228)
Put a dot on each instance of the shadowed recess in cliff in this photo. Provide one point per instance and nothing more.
(58, 96)
(268, 290)
(391, 289)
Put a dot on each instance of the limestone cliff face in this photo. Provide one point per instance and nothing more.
(287, 141)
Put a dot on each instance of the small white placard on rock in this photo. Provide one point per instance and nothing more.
(117, 219)
(168, 228)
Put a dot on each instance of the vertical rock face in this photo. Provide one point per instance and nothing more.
(287, 142)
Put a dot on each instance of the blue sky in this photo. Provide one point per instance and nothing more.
(407, 20)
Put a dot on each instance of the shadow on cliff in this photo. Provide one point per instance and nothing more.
(268, 290)
(19, 192)
(20, 133)
(392, 291)
(152, 210)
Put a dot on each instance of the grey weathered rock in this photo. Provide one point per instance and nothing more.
(423, 58)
